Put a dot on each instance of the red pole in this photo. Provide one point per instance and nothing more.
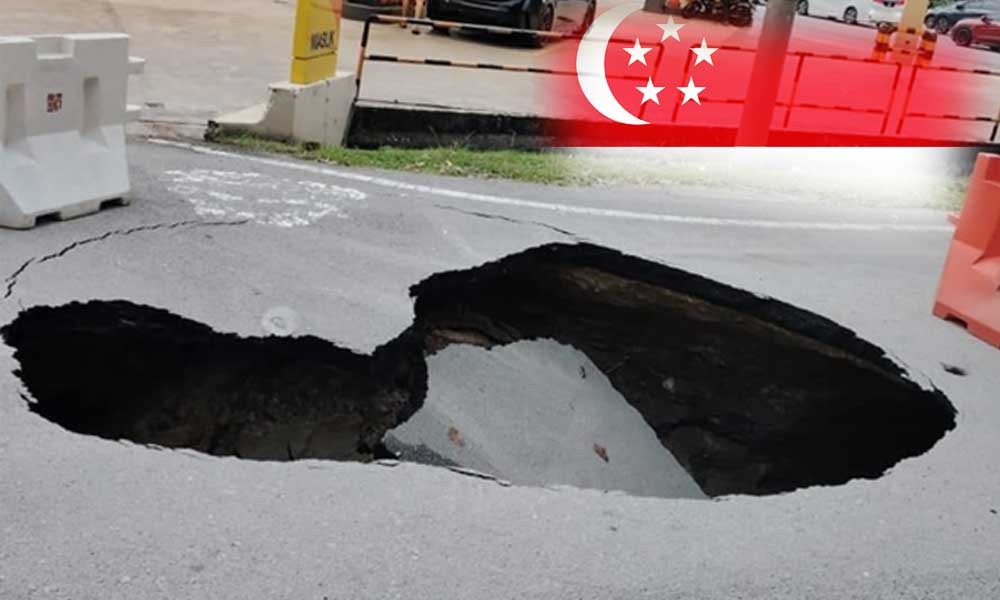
(762, 93)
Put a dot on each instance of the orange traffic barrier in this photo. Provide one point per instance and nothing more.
(882, 36)
(970, 285)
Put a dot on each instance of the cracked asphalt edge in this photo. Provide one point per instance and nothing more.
(392, 462)
(485, 215)
(11, 280)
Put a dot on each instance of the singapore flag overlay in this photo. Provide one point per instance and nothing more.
(658, 79)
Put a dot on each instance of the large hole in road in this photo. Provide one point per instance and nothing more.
(747, 394)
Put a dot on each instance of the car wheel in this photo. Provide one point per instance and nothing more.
(962, 37)
(851, 16)
(942, 25)
(548, 18)
(541, 19)
(802, 8)
(431, 13)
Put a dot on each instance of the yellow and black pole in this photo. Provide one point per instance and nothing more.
(317, 35)
(883, 35)
(911, 26)
(928, 41)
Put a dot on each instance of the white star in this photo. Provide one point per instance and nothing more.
(670, 29)
(637, 53)
(691, 92)
(704, 53)
(649, 92)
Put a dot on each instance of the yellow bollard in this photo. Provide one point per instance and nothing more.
(882, 36)
(317, 35)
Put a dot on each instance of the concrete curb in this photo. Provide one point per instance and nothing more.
(376, 124)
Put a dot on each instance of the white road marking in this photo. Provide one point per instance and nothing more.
(272, 201)
(555, 207)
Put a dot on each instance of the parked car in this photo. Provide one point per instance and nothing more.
(565, 16)
(841, 10)
(944, 17)
(984, 30)
(886, 11)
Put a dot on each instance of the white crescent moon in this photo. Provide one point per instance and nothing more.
(590, 65)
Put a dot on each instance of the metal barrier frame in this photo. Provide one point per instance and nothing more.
(364, 57)
(799, 56)
(947, 117)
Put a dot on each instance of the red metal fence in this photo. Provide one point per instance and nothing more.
(894, 113)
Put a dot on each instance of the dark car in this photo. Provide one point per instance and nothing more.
(984, 30)
(944, 17)
(564, 16)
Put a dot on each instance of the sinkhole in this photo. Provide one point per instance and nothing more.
(564, 363)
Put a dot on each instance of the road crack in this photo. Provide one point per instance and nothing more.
(483, 215)
(12, 280)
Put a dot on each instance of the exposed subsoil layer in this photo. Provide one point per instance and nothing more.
(123, 371)
(751, 395)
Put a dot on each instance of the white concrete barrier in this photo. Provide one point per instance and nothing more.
(62, 125)
(315, 112)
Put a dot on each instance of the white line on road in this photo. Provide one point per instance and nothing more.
(555, 207)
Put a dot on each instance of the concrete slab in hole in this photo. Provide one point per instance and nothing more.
(537, 413)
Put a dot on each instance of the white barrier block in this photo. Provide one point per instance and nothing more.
(62, 125)
(316, 112)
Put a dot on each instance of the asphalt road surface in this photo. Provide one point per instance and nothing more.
(227, 240)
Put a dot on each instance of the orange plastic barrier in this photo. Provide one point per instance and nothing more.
(970, 285)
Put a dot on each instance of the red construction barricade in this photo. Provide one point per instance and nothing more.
(970, 285)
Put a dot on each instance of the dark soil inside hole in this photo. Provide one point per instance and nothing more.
(751, 395)
(123, 371)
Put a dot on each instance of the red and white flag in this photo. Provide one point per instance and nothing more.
(650, 79)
